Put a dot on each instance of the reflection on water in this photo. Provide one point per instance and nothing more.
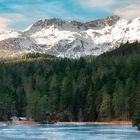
(68, 132)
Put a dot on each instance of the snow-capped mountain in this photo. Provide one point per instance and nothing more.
(70, 39)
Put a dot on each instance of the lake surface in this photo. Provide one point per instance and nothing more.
(68, 132)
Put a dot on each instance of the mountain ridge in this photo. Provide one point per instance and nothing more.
(71, 39)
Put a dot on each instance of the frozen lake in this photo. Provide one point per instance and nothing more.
(68, 132)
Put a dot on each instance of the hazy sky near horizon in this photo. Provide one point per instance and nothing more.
(19, 14)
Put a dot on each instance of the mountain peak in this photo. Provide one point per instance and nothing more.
(101, 23)
(112, 20)
(114, 17)
(49, 22)
(109, 21)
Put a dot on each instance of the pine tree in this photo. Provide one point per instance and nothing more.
(90, 113)
(136, 117)
(54, 94)
(105, 108)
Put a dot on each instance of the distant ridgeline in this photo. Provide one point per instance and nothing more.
(87, 89)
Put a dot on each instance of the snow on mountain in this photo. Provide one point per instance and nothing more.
(9, 34)
(70, 39)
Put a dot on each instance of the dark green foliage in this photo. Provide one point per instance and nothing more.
(88, 89)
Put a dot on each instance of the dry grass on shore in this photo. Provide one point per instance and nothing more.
(97, 123)
(70, 123)
(24, 123)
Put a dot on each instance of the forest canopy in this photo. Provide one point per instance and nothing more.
(100, 88)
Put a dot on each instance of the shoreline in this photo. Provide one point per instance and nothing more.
(67, 123)
(24, 123)
(96, 123)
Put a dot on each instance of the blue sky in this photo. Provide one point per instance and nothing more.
(19, 14)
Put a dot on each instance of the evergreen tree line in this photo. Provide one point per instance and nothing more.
(87, 89)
